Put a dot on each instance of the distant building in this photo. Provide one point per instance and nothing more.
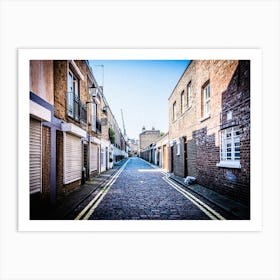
(146, 137)
(134, 147)
(157, 152)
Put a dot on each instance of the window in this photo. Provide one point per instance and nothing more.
(178, 147)
(189, 94)
(206, 101)
(73, 96)
(230, 148)
(174, 111)
(182, 101)
(93, 116)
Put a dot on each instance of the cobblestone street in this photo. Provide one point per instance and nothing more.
(141, 193)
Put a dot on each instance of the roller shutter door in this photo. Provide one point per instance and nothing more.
(35, 152)
(93, 157)
(73, 158)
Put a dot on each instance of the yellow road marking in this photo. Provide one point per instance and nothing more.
(211, 213)
(99, 196)
(191, 197)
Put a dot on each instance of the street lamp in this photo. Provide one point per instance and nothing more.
(93, 90)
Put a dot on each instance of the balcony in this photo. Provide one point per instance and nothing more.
(76, 109)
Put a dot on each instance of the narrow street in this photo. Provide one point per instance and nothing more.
(139, 191)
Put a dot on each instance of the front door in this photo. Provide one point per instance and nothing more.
(171, 159)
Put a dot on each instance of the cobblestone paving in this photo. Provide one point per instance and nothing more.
(141, 193)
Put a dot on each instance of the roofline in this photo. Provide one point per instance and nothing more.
(150, 131)
(180, 79)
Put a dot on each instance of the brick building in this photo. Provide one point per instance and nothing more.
(114, 143)
(146, 137)
(209, 126)
(69, 144)
(77, 140)
(161, 154)
(146, 143)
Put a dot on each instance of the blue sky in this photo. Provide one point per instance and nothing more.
(141, 89)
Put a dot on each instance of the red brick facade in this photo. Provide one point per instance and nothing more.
(229, 108)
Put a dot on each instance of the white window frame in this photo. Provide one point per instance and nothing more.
(189, 94)
(72, 94)
(230, 146)
(206, 100)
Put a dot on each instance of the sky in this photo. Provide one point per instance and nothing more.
(140, 88)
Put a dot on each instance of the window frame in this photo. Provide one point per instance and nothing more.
(228, 147)
(182, 101)
(206, 100)
(72, 95)
(93, 116)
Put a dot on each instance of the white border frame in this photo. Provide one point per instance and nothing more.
(255, 55)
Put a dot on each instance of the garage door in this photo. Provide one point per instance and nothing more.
(35, 151)
(93, 157)
(73, 158)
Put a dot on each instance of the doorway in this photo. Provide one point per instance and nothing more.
(171, 159)
(185, 154)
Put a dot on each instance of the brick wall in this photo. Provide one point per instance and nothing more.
(230, 91)
(148, 137)
(186, 120)
(191, 154)
(60, 88)
(46, 160)
(236, 98)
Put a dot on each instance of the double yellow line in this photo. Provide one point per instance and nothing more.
(211, 213)
(92, 205)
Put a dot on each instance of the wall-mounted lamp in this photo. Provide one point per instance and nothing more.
(104, 109)
(93, 90)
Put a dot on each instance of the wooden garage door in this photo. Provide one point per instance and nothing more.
(35, 152)
(73, 158)
(93, 157)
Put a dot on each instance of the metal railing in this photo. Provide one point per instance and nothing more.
(98, 125)
(83, 112)
(76, 108)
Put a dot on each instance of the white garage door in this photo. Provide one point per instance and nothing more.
(93, 157)
(73, 158)
(35, 151)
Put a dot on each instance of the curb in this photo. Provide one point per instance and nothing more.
(98, 185)
(227, 209)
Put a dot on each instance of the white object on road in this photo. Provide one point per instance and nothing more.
(190, 180)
